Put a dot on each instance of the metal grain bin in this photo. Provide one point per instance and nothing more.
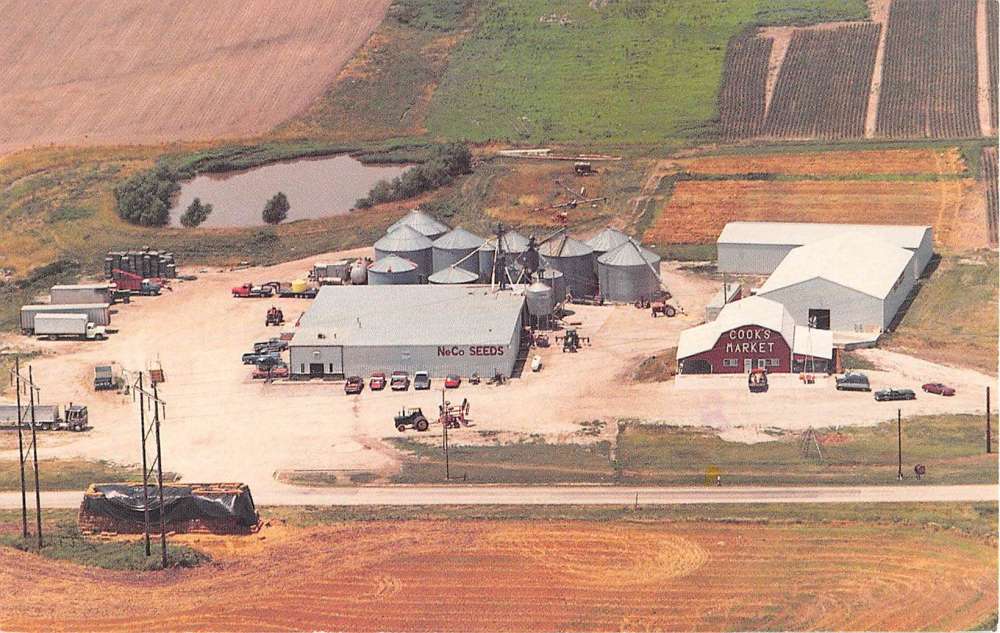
(457, 245)
(454, 275)
(424, 223)
(574, 260)
(538, 297)
(392, 270)
(486, 256)
(627, 274)
(409, 244)
(606, 241)
(514, 242)
(557, 281)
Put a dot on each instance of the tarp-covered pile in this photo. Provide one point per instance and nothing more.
(225, 508)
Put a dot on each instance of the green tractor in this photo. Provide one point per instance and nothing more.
(411, 419)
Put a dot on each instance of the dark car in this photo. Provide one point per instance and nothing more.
(939, 389)
(895, 394)
(853, 381)
(377, 382)
(452, 381)
(262, 358)
(421, 380)
(354, 385)
(271, 345)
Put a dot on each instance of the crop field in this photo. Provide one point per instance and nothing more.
(901, 162)
(988, 165)
(699, 209)
(744, 79)
(556, 575)
(929, 77)
(105, 73)
(822, 88)
(993, 41)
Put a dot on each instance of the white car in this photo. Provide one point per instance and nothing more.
(536, 363)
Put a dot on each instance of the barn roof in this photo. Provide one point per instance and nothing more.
(750, 311)
(801, 233)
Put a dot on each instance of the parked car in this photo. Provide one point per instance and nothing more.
(399, 381)
(262, 358)
(895, 394)
(939, 389)
(270, 345)
(354, 385)
(453, 381)
(276, 371)
(377, 382)
(853, 381)
(421, 380)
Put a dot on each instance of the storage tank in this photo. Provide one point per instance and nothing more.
(457, 245)
(538, 297)
(574, 260)
(626, 273)
(606, 241)
(424, 223)
(454, 275)
(359, 272)
(486, 255)
(299, 285)
(393, 270)
(409, 244)
(557, 282)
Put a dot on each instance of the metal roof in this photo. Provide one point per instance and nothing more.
(404, 238)
(392, 264)
(458, 239)
(631, 253)
(101, 286)
(422, 222)
(453, 275)
(607, 240)
(514, 242)
(853, 260)
(750, 311)
(812, 342)
(801, 233)
(564, 246)
(410, 315)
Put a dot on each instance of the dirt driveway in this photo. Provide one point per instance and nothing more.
(222, 426)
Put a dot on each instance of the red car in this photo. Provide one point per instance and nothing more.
(354, 385)
(280, 371)
(377, 383)
(452, 382)
(939, 389)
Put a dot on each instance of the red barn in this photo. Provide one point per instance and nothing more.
(749, 333)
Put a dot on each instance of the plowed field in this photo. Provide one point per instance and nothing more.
(538, 576)
(109, 72)
(896, 161)
(698, 210)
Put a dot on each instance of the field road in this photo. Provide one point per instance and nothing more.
(576, 495)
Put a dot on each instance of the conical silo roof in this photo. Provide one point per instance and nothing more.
(458, 239)
(631, 253)
(422, 222)
(392, 264)
(453, 275)
(514, 242)
(607, 240)
(564, 246)
(405, 238)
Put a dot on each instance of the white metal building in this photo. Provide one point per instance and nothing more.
(853, 282)
(756, 248)
(358, 330)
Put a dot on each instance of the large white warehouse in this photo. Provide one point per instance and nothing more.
(756, 248)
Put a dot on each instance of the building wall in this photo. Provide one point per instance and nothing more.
(922, 255)
(850, 310)
(894, 300)
(751, 259)
(752, 342)
(331, 356)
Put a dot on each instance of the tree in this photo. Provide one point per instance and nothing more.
(276, 209)
(196, 214)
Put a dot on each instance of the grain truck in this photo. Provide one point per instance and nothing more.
(47, 417)
(58, 325)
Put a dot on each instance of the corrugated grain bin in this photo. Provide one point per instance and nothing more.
(454, 276)
(538, 297)
(606, 241)
(514, 242)
(393, 270)
(557, 281)
(407, 243)
(487, 254)
(80, 293)
(97, 313)
(423, 223)
(458, 245)
(627, 273)
(574, 260)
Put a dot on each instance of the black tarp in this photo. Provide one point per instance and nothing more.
(124, 502)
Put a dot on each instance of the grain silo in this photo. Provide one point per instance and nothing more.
(557, 281)
(424, 223)
(540, 303)
(606, 241)
(573, 259)
(514, 242)
(453, 275)
(457, 247)
(627, 274)
(393, 270)
(408, 243)
(487, 256)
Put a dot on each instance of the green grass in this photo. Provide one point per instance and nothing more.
(628, 72)
(66, 474)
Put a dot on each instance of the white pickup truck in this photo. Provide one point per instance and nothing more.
(57, 325)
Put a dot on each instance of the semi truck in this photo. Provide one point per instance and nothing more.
(134, 284)
(58, 325)
(97, 313)
(48, 417)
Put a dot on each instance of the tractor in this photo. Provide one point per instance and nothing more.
(411, 419)
(572, 341)
(274, 316)
(662, 307)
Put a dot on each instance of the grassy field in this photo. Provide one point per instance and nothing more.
(965, 289)
(543, 70)
(66, 474)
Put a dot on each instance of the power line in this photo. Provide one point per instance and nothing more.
(33, 391)
(153, 397)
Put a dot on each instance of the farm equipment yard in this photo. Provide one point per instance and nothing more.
(221, 423)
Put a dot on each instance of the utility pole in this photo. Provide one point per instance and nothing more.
(145, 467)
(144, 396)
(16, 376)
(899, 441)
(33, 396)
(444, 425)
(34, 451)
(159, 475)
(989, 443)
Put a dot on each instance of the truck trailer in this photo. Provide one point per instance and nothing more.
(81, 293)
(58, 325)
(97, 313)
(47, 417)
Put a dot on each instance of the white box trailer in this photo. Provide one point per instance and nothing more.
(80, 293)
(57, 325)
(97, 313)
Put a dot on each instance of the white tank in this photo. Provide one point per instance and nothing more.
(538, 296)
(359, 273)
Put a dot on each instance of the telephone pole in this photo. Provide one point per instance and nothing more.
(33, 396)
(15, 375)
(899, 441)
(147, 470)
(989, 442)
(444, 425)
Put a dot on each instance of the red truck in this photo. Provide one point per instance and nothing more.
(134, 284)
(249, 290)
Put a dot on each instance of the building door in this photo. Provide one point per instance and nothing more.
(819, 319)
(747, 365)
(316, 370)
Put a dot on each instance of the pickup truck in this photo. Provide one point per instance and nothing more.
(251, 291)
(262, 359)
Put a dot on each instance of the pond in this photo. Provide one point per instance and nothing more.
(316, 187)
